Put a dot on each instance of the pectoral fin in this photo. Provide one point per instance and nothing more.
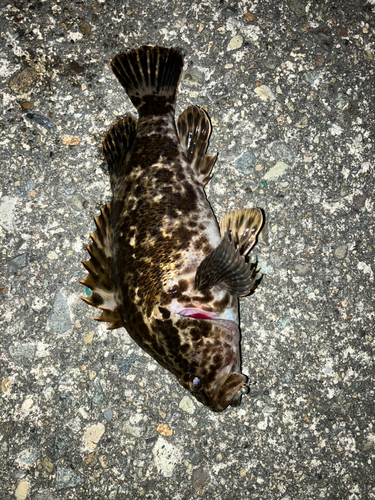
(226, 265)
(242, 227)
(194, 130)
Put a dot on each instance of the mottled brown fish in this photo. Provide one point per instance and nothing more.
(160, 266)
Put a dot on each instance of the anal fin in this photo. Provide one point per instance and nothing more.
(226, 265)
(194, 130)
(99, 279)
(117, 142)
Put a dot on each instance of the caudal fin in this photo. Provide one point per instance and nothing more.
(149, 72)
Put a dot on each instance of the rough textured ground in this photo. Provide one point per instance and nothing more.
(289, 87)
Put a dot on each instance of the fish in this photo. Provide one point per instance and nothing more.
(160, 265)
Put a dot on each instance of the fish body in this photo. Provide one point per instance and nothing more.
(160, 266)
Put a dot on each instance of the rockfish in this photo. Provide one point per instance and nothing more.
(160, 265)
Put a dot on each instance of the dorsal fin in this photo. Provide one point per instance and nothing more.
(226, 265)
(99, 279)
(117, 142)
(194, 130)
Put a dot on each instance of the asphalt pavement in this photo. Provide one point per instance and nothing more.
(290, 90)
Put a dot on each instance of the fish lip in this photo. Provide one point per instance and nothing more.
(219, 399)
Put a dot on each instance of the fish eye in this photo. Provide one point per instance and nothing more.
(244, 389)
(196, 382)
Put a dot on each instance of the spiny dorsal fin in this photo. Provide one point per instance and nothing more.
(149, 71)
(242, 227)
(194, 129)
(99, 279)
(117, 142)
(226, 265)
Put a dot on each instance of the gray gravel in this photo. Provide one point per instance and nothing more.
(85, 414)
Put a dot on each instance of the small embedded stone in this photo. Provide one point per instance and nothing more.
(265, 93)
(91, 459)
(108, 414)
(187, 405)
(235, 43)
(47, 464)
(76, 67)
(250, 16)
(26, 105)
(85, 28)
(302, 123)
(133, 430)
(341, 251)
(93, 434)
(276, 171)
(21, 490)
(360, 200)
(166, 457)
(69, 140)
(76, 202)
(18, 262)
(302, 269)
(24, 81)
(193, 78)
(7, 206)
(164, 430)
(245, 163)
(52, 256)
(59, 319)
(281, 152)
(67, 478)
(200, 478)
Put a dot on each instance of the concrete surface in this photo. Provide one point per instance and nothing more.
(289, 87)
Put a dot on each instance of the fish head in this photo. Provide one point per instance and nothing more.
(220, 394)
(214, 377)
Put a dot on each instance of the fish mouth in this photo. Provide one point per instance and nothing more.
(229, 384)
(228, 393)
(229, 387)
(192, 312)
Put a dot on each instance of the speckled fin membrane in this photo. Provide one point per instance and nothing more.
(99, 267)
(148, 71)
(226, 265)
(194, 129)
(116, 144)
(242, 226)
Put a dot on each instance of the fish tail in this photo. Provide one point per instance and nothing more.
(148, 73)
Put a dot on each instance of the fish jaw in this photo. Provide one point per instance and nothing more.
(215, 381)
(229, 393)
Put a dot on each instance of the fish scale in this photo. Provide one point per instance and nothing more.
(168, 274)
